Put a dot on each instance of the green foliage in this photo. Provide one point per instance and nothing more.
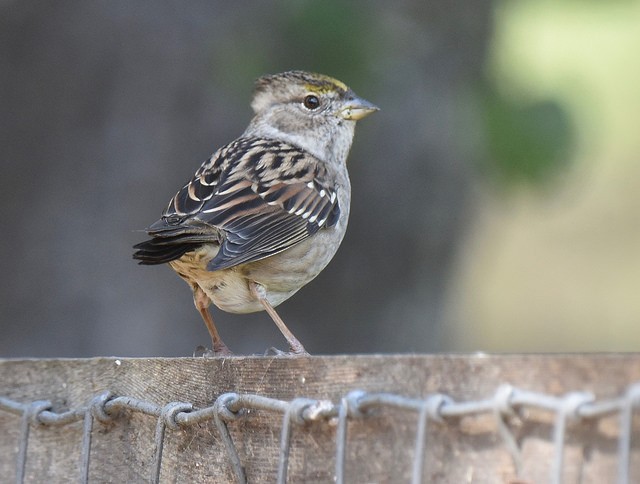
(527, 142)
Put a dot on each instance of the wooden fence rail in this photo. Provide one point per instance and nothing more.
(351, 418)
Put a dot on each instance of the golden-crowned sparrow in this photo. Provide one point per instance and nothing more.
(266, 213)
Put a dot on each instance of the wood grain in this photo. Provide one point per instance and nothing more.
(380, 448)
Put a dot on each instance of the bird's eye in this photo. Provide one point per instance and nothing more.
(311, 102)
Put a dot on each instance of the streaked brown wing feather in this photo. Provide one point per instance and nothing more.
(255, 197)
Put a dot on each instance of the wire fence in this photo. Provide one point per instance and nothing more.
(433, 410)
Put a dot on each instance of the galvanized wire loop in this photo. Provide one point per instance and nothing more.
(319, 410)
(352, 403)
(34, 409)
(221, 415)
(568, 411)
(507, 402)
(434, 405)
(167, 419)
(298, 408)
(503, 399)
(29, 416)
(98, 410)
(430, 410)
(298, 413)
(171, 410)
(223, 404)
(572, 403)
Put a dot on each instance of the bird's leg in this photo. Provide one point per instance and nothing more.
(202, 302)
(260, 293)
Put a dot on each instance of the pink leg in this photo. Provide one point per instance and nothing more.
(202, 302)
(261, 295)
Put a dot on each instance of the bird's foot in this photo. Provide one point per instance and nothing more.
(273, 351)
(203, 352)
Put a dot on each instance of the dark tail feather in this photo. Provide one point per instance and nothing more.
(160, 251)
(170, 242)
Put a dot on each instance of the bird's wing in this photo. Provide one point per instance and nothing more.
(255, 197)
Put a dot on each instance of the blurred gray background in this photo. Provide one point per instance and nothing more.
(107, 108)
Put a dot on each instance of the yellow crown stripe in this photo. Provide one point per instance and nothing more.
(326, 84)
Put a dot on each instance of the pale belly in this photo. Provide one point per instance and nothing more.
(282, 275)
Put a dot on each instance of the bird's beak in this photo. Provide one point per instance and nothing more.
(357, 108)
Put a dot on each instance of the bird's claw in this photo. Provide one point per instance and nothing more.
(273, 351)
(204, 352)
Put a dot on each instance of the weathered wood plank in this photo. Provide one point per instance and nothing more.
(380, 448)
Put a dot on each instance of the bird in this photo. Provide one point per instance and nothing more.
(266, 213)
